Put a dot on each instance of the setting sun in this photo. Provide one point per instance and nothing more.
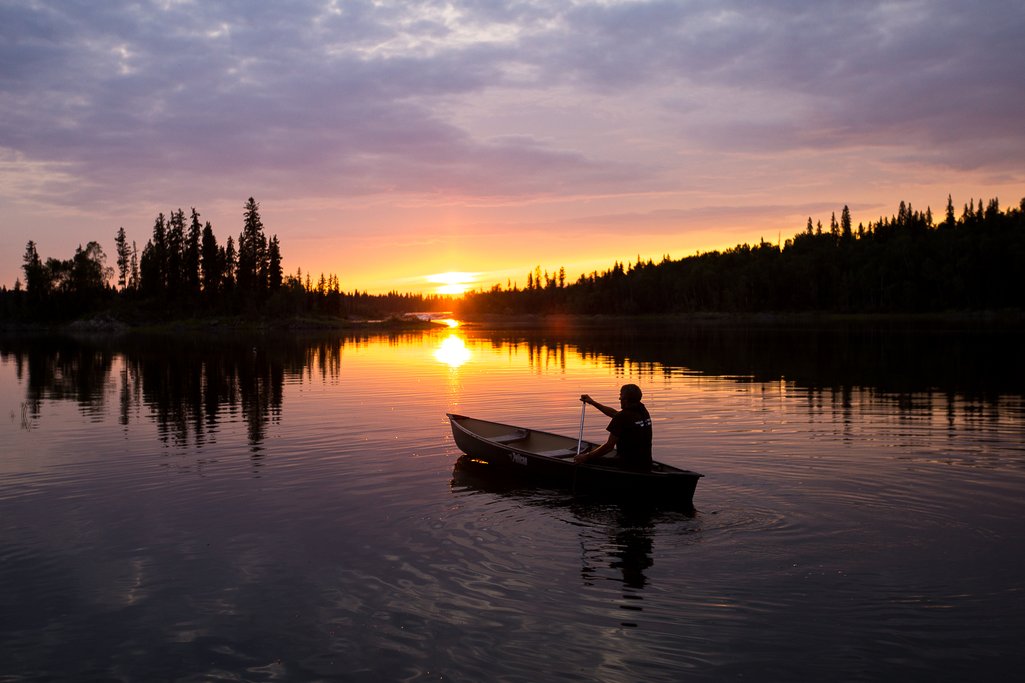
(453, 282)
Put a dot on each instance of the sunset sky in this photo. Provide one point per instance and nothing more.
(391, 141)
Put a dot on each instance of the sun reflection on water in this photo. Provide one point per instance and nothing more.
(453, 351)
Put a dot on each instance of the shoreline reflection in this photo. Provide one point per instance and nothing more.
(964, 381)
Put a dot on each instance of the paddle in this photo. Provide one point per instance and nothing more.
(580, 441)
(580, 438)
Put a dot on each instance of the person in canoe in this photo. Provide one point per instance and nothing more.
(629, 431)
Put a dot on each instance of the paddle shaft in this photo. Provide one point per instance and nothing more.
(580, 438)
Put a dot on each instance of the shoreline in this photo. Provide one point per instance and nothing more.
(108, 324)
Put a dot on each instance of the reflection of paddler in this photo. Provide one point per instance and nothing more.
(629, 546)
(632, 552)
(629, 431)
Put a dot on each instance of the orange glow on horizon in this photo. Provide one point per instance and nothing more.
(454, 283)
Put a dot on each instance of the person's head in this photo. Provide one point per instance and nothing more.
(629, 394)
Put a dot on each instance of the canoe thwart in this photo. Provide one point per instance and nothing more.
(507, 438)
(559, 453)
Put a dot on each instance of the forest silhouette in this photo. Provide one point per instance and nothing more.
(905, 263)
(184, 272)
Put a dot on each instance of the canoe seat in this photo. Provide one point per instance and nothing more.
(559, 453)
(506, 438)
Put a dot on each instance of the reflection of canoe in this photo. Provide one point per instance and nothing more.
(548, 458)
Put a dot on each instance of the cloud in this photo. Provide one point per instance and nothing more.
(317, 98)
(769, 77)
(160, 97)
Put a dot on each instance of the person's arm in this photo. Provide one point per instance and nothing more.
(610, 412)
(596, 452)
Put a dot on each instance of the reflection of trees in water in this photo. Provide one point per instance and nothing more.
(958, 412)
(190, 388)
(968, 379)
(547, 357)
(57, 372)
(909, 370)
(186, 385)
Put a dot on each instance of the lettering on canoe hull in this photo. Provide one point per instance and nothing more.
(517, 459)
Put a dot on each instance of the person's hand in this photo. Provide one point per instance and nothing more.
(586, 399)
(580, 458)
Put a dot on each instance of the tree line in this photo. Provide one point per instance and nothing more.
(183, 270)
(904, 263)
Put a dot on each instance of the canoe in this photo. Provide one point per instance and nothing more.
(547, 458)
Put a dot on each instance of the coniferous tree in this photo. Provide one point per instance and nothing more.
(156, 268)
(193, 278)
(123, 258)
(274, 265)
(133, 282)
(37, 280)
(262, 264)
(229, 262)
(176, 254)
(211, 262)
(151, 281)
(252, 248)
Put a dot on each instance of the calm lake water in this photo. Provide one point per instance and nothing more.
(265, 508)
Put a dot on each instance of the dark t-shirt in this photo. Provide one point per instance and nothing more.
(632, 428)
